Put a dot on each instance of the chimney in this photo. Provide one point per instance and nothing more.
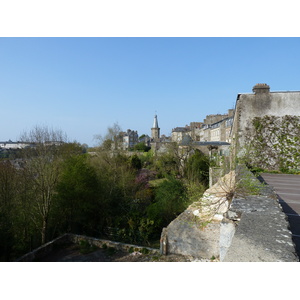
(261, 88)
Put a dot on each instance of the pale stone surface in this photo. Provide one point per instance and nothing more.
(196, 232)
(187, 236)
(216, 200)
(253, 229)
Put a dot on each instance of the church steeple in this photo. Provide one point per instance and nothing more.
(155, 123)
(155, 129)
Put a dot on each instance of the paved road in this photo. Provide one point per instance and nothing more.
(287, 187)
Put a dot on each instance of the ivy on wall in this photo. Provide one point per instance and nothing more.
(273, 143)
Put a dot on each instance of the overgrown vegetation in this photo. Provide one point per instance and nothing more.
(57, 188)
(273, 144)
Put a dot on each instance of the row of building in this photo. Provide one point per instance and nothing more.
(8, 145)
(218, 131)
(214, 128)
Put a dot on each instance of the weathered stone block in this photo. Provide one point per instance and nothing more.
(186, 235)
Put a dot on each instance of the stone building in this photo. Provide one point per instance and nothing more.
(195, 130)
(220, 131)
(130, 139)
(179, 133)
(214, 128)
(146, 139)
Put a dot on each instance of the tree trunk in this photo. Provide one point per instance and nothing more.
(44, 230)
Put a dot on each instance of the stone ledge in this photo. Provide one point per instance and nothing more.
(261, 232)
(74, 238)
(253, 229)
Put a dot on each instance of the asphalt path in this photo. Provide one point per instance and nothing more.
(287, 188)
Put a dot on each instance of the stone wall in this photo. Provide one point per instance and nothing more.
(254, 228)
(214, 175)
(258, 231)
(74, 238)
(196, 232)
(259, 104)
(46, 249)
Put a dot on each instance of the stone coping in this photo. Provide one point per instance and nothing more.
(261, 230)
(74, 238)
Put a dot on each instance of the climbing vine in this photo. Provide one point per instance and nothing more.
(272, 143)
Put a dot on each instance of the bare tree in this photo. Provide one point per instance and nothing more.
(112, 137)
(43, 165)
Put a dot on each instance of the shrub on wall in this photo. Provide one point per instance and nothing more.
(273, 143)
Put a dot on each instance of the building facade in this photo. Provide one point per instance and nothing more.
(130, 139)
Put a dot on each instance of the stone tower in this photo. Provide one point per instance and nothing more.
(155, 130)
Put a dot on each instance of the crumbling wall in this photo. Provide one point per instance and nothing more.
(259, 104)
(196, 232)
(252, 228)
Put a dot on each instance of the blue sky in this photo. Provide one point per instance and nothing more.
(84, 85)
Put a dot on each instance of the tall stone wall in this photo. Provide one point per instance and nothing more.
(259, 104)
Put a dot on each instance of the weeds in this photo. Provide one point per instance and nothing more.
(85, 247)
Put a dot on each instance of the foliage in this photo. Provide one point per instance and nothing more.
(247, 184)
(135, 162)
(170, 201)
(112, 137)
(77, 196)
(85, 247)
(141, 147)
(107, 145)
(197, 168)
(165, 165)
(273, 143)
(194, 191)
(57, 188)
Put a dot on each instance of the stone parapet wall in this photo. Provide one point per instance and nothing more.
(258, 230)
(254, 228)
(46, 249)
(76, 239)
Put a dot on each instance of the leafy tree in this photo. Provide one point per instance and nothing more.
(78, 196)
(170, 201)
(141, 147)
(107, 145)
(135, 162)
(117, 179)
(165, 165)
(197, 168)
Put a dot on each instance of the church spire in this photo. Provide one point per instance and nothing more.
(155, 129)
(155, 122)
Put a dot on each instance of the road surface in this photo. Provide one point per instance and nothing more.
(287, 188)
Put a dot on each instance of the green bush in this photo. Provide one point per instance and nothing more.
(197, 168)
(170, 201)
(85, 247)
(141, 147)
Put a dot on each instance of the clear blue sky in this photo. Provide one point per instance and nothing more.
(84, 85)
